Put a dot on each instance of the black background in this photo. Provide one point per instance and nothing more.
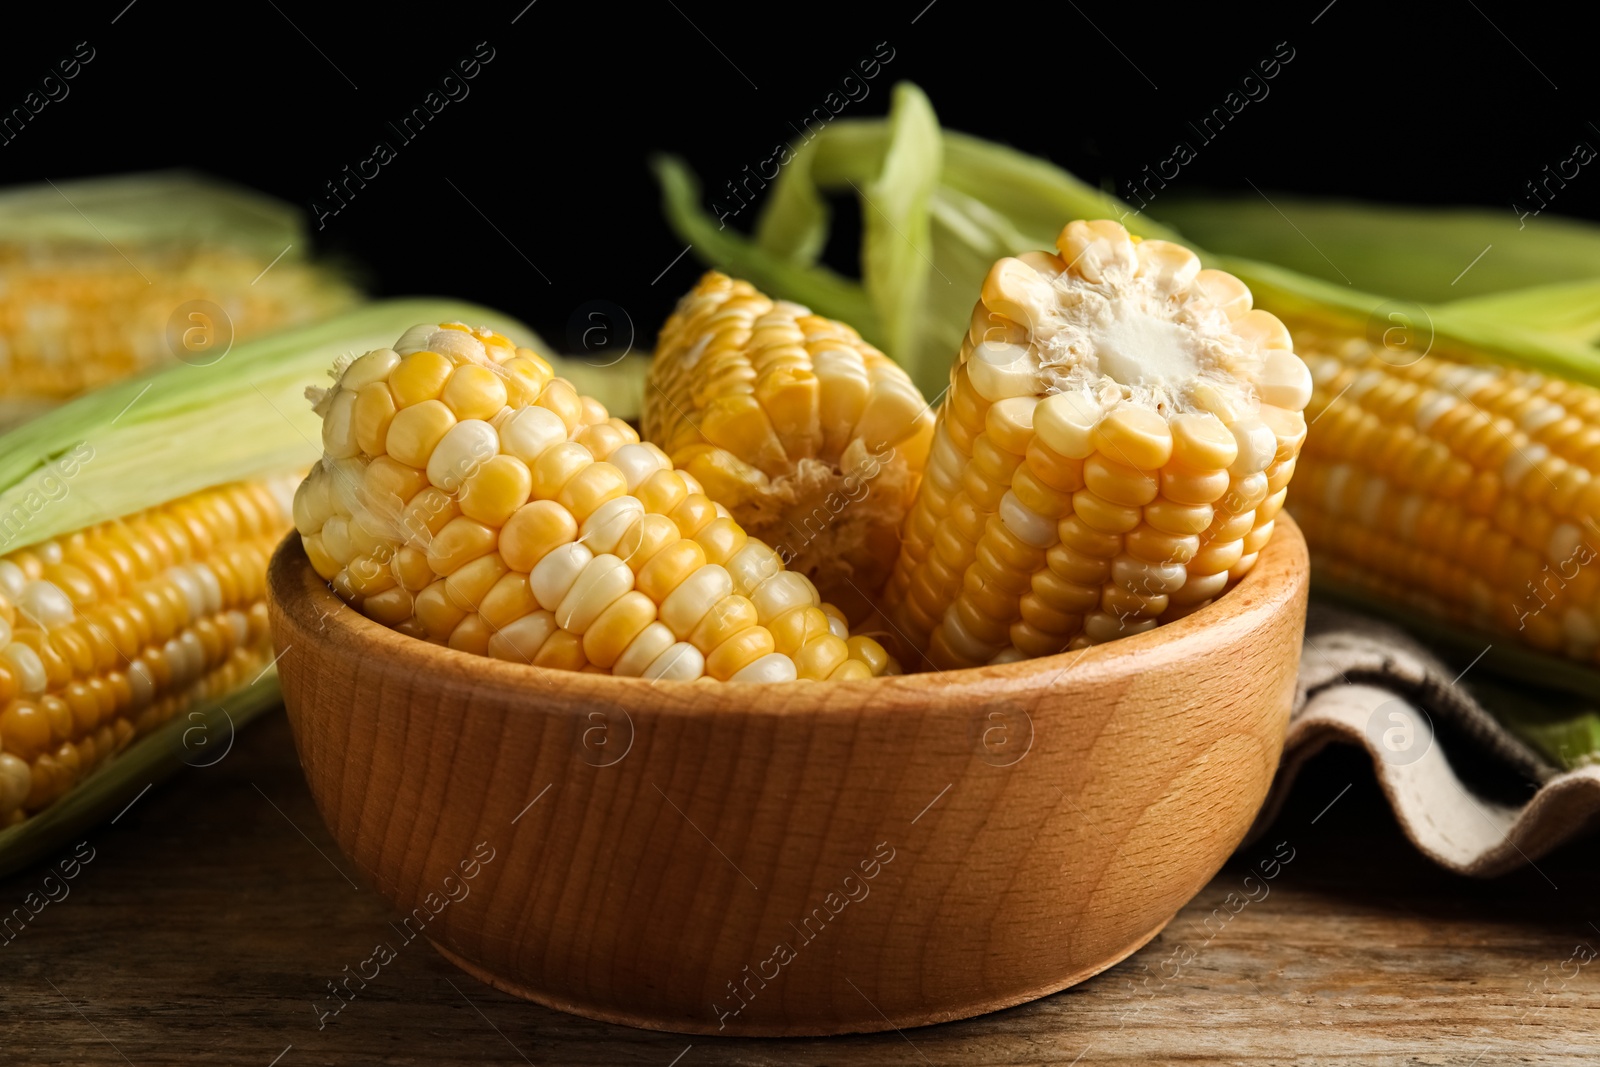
(1433, 104)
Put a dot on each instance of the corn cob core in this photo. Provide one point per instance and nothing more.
(468, 497)
(111, 631)
(74, 316)
(1114, 448)
(812, 438)
(1466, 488)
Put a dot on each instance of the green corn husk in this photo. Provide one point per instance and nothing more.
(1568, 737)
(93, 271)
(137, 209)
(176, 431)
(989, 201)
(1433, 255)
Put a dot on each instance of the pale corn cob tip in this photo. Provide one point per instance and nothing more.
(468, 497)
(1114, 448)
(811, 437)
(1466, 488)
(113, 630)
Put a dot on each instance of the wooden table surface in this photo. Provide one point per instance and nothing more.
(215, 912)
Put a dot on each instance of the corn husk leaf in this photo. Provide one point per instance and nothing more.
(1567, 313)
(617, 381)
(937, 209)
(129, 210)
(1565, 734)
(1463, 329)
(1499, 657)
(1550, 702)
(896, 221)
(1426, 254)
(731, 251)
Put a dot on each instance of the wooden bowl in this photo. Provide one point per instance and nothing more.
(794, 859)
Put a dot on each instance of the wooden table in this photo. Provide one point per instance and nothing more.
(214, 913)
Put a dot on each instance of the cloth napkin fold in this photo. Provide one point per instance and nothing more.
(1467, 791)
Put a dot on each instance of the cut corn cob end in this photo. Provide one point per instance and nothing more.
(113, 630)
(1465, 488)
(813, 439)
(1116, 443)
(468, 497)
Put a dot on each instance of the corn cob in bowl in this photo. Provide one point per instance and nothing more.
(1116, 444)
(812, 438)
(468, 496)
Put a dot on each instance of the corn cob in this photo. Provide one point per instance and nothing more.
(812, 438)
(86, 299)
(1115, 446)
(75, 318)
(110, 632)
(469, 497)
(1465, 488)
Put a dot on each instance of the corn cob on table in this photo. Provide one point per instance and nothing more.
(92, 272)
(111, 631)
(1466, 489)
(132, 626)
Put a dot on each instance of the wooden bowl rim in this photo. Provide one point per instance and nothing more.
(302, 596)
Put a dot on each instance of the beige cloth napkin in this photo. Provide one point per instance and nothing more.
(1466, 791)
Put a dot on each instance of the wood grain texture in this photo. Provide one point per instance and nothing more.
(800, 859)
(207, 927)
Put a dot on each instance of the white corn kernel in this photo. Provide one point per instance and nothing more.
(44, 604)
(680, 663)
(12, 579)
(643, 650)
(552, 577)
(999, 371)
(636, 462)
(521, 640)
(463, 449)
(697, 594)
(609, 522)
(601, 582)
(773, 667)
(1027, 526)
(527, 432)
(27, 667)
